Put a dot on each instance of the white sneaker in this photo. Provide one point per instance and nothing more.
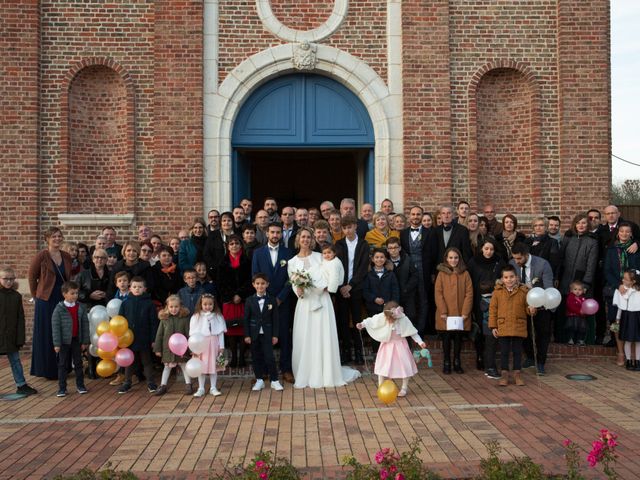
(402, 393)
(199, 393)
(275, 385)
(259, 385)
(215, 392)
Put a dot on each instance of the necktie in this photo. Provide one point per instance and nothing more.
(524, 274)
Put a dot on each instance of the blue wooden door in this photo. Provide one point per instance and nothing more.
(301, 112)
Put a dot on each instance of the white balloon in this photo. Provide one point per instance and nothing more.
(552, 298)
(98, 315)
(535, 297)
(193, 368)
(113, 307)
(94, 338)
(197, 343)
(93, 350)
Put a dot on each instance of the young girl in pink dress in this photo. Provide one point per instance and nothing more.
(209, 322)
(394, 359)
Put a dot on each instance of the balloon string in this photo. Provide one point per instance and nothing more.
(535, 347)
(364, 357)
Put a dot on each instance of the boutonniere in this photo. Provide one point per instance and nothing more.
(283, 262)
(269, 307)
(535, 281)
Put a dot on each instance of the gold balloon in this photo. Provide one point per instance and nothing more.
(106, 368)
(126, 339)
(388, 392)
(103, 327)
(107, 355)
(118, 325)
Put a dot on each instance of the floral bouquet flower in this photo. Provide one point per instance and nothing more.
(301, 279)
(221, 361)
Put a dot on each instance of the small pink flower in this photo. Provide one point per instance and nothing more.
(612, 443)
(384, 474)
(592, 460)
(263, 476)
(259, 464)
(393, 469)
(567, 442)
(379, 457)
(399, 476)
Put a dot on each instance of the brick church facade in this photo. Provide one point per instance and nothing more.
(123, 113)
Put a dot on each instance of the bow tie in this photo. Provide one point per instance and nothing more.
(415, 229)
(261, 297)
(447, 227)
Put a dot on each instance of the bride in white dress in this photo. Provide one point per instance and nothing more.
(316, 352)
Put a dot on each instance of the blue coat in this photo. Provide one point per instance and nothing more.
(141, 314)
(385, 287)
(278, 275)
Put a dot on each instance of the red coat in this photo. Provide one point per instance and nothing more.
(574, 305)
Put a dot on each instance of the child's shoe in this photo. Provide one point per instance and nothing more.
(161, 391)
(188, 389)
(277, 386)
(259, 385)
(570, 342)
(119, 380)
(215, 392)
(199, 393)
(61, 393)
(518, 378)
(26, 390)
(82, 390)
(124, 388)
(581, 343)
(152, 387)
(504, 379)
(402, 392)
(492, 373)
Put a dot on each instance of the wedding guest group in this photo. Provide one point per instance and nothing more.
(444, 268)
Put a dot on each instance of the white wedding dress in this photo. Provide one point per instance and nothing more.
(316, 352)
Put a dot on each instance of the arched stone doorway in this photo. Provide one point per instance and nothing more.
(302, 139)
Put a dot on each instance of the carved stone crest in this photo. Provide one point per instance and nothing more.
(304, 56)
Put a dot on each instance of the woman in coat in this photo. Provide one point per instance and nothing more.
(133, 265)
(191, 250)
(49, 269)
(454, 298)
(234, 285)
(509, 236)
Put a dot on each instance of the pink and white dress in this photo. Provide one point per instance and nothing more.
(394, 359)
(212, 326)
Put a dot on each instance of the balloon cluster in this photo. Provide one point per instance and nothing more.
(551, 298)
(110, 338)
(197, 343)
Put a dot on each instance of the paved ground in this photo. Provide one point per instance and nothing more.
(183, 437)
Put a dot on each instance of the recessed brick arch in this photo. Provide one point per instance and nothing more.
(505, 163)
(98, 144)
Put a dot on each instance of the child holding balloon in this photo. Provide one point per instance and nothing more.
(208, 322)
(70, 331)
(394, 358)
(174, 318)
(576, 320)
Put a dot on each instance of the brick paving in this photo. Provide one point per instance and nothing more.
(175, 436)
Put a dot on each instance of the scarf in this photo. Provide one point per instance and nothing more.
(199, 242)
(623, 256)
(170, 269)
(235, 262)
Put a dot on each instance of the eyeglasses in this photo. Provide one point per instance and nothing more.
(9, 279)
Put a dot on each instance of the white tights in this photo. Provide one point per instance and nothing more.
(167, 372)
(405, 381)
(627, 350)
(213, 379)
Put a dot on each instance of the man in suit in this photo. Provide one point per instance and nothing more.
(261, 332)
(348, 209)
(353, 252)
(239, 219)
(272, 260)
(451, 234)
(302, 217)
(289, 227)
(271, 207)
(420, 245)
(537, 272)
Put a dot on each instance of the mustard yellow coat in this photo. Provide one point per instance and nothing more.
(508, 311)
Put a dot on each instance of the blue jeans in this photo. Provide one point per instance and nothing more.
(16, 368)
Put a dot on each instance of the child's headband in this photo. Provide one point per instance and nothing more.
(396, 312)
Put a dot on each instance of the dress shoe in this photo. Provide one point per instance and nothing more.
(457, 367)
(288, 377)
(446, 368)
(479, 363)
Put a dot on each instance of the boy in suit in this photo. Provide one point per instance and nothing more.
(260, 331)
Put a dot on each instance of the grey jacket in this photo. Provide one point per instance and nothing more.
(579, 261)
(540, 270)
(61, 325)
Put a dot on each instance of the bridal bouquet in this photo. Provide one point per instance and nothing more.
(301, 279)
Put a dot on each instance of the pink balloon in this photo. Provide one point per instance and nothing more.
(178, 344)
(589, 307)
(124, 357)
(108, 342)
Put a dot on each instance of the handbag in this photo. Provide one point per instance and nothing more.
(233, 314)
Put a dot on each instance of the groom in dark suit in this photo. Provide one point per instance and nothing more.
(272, 260)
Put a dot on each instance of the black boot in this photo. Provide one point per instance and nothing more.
(636, 368)
(446, 353)
(628, 365)
(457, 367)
(480, 363)
(457, 346)
(446, 367)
